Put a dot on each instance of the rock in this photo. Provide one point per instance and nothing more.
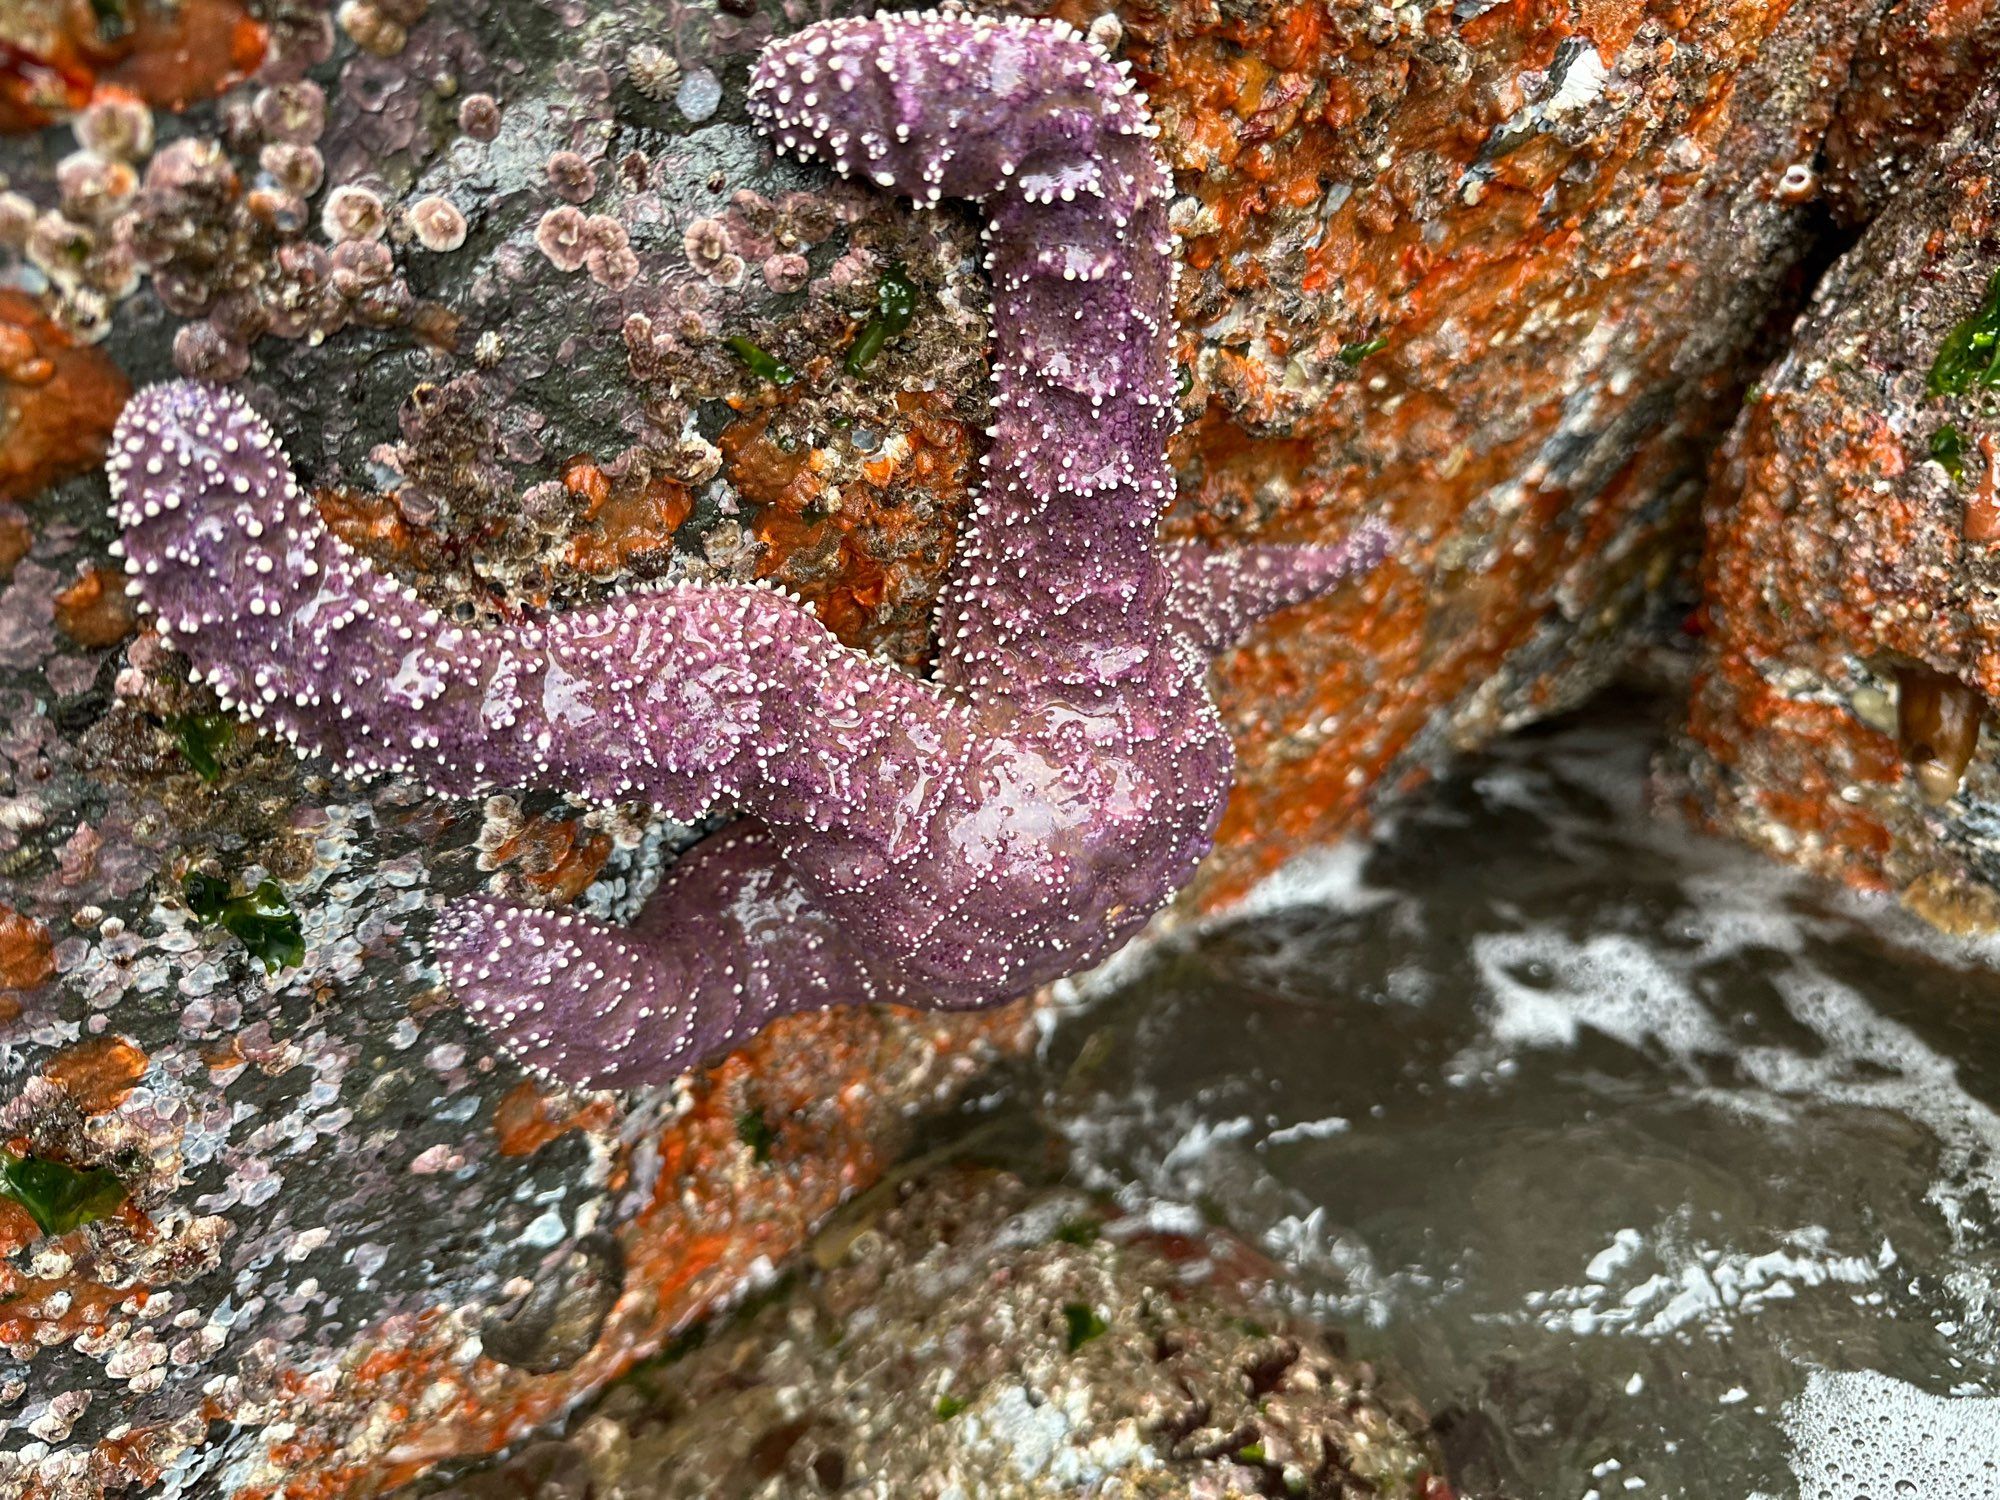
(1500, 279)
(968, 1336)
(1853, 645)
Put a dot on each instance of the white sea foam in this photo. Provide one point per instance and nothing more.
(1546, 988)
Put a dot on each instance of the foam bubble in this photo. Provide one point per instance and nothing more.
(1860, 1435)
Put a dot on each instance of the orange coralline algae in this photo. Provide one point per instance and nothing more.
(27, 955)
(553, 856)
(863, 535)
(56, 55)
(527, 1119)
(16, 539)
(372, 526)
(98, 1073)
(1852, 641)
(626, 519)
(58, 401)
(1782, 763)
(94, 610)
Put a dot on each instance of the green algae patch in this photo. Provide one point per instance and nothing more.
(1969, 358)
(262, 921)
(754, 1131)
(201, 738)
(1948, 450)
(1083, 1322)
(895, 305)
(948, 1407)
(59, 1198)
(759, 361)
(1353, 354)
(1078, 1231)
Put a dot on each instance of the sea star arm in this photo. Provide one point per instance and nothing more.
(1058, 567)
(1215, 598)
(731, 940)
(683, 697)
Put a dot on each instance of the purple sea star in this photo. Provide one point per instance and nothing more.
(946, 843)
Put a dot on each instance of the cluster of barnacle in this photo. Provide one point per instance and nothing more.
(237, 254)
(237, 229)
(546, 543)
(755, 230)
(575, 241)
(82, 245)
(381, 26)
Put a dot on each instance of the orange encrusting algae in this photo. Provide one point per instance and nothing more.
(27, 953)
(624, 519)
(58, 400)
(863, 538)
(97, 1073)
(94, 611)
(553, 856)
(527, 1119)
(57, 55)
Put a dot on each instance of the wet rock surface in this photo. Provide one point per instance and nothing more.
(961, 1334)
(1853, 647)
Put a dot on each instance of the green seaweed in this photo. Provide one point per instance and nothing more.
(261, 921)
(895, 305)
(759, 362)
(1251, 1453)
(754, 1131)
(948, 1407)
(1078, 1231)
(59, 1198)
(1183, 381)
(1084, 1324)
(1353, 354)
(200, 737)
(1969, 357)
(1948, 449)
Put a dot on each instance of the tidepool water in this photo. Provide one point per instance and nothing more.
(1654, 1170)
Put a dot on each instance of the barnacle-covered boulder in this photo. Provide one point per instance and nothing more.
(539, 316)
(1852, 647)
(963, 1334)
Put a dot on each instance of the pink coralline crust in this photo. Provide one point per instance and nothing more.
(949, 843)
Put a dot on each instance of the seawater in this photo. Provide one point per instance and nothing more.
(1653, 1169)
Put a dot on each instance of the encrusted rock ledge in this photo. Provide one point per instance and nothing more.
(972, 1338)
(1852, 647)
